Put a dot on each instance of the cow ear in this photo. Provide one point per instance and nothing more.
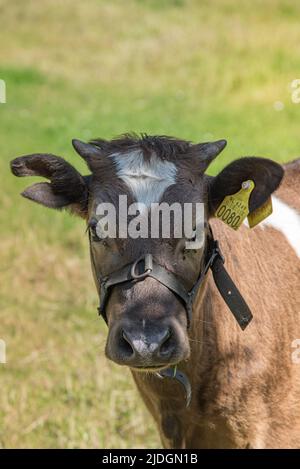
(66, 189)
(266, 175)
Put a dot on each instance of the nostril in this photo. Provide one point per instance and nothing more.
(125, 346)
(135, 347)
(166, 345)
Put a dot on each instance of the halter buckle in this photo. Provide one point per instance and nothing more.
(148, 267)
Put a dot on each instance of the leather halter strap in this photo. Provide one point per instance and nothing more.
(145, 266)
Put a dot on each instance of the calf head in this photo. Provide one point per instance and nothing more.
(147, 321)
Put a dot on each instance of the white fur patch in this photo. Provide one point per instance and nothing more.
(286, 220)
(147, 180)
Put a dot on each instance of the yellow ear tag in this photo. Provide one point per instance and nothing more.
(260, 213)
(234, 208)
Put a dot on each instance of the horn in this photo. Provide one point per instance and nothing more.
(208, 151)
(85, 150)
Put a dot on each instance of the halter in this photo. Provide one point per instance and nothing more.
(145, 266)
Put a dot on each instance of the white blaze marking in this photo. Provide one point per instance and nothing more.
(147, 180)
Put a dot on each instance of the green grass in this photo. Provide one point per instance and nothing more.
(198, 70)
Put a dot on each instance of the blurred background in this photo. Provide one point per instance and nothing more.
(195, 69)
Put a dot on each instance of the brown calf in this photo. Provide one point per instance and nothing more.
(245, 384)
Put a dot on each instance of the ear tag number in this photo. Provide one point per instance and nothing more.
(260, 213)
(234, 208)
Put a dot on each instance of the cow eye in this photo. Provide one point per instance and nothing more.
(92, 227)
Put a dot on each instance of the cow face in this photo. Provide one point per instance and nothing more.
(147, 322)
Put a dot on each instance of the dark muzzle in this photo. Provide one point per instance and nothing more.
(145, 266)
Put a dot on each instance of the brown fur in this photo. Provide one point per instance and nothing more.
(289, 191)
(246, 389)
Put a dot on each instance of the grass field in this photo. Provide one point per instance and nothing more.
(194, 69)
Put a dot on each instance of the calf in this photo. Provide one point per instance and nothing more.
(162, 306)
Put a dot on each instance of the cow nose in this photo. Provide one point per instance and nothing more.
(140, 349)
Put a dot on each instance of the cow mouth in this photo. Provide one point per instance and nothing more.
(149, 369)
(152, 368)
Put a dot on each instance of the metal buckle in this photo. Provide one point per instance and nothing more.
(216, 252)
(148, 267)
